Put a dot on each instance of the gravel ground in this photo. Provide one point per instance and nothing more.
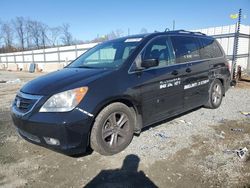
(198, 122)
(191, 150)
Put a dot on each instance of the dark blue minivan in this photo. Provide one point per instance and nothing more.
(118, 87)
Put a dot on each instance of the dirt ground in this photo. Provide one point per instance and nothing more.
(199, 155)
(244, 82)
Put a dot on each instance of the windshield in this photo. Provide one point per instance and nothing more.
(106, 55)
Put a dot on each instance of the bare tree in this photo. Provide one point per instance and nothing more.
(99, 39)
(35, 34)
(66, 35)
(28, 34)
(19, 26)
(7, 34)
(31, 34)
(111, 35)
(54, 34)
(43, 33)
(114, 34)
(77, 41)
(144, 30)
(119, 33)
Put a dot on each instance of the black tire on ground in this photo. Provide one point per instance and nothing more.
(215, 94)
(113, 129)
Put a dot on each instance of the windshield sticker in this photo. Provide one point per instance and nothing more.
(195, 84)
(133, 40)
(170, 83)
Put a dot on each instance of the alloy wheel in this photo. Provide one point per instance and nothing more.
(216, 94)
(115, 129)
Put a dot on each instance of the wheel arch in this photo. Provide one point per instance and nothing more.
(223, 84)
(221, 79)
(128, 101)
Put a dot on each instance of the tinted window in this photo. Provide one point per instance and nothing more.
(210, 48)
(128, 51)
(186, 48)
(110, 54)
(159, 49)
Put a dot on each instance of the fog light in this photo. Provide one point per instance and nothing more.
(51, 141)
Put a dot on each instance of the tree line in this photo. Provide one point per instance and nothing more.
(27, 34)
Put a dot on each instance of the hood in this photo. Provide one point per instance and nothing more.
(65, 79)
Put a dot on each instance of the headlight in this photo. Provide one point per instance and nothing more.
(64, 101)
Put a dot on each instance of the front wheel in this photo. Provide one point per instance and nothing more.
(113, 129)
(215, 94)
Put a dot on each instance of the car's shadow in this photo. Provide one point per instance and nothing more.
(126, 176)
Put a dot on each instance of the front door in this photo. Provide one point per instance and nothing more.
(160, 87)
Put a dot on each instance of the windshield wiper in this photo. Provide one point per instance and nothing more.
(86, 66)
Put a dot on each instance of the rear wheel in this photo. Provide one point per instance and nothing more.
(113, 129)
(215, 94)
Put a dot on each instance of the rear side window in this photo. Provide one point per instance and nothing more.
(210, 48)
(186, 48)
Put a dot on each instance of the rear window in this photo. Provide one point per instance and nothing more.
(186, 48)
(210, 48)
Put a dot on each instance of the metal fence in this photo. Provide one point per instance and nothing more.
(51, 59)
(226, 36)
(238, 56)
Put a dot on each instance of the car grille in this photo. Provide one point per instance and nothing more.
(24, 103)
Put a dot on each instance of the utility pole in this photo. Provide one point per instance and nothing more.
(173, 25)
(235, 49)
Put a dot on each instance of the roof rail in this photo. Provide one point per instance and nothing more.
(199, 33)
(184, 31)
(167, 29)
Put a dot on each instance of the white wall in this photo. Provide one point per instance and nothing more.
(48, 60)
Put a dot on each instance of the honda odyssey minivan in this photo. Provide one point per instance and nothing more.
(117, 88)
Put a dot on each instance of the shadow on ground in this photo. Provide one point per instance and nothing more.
(127, 176)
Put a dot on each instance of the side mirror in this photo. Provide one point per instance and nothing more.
(150, 63)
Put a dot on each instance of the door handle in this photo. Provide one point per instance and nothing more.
(188, 70)
(175, 72)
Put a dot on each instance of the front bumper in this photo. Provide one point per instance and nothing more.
(71, 129)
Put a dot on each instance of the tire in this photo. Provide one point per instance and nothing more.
(215, 95)
(113, 129)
